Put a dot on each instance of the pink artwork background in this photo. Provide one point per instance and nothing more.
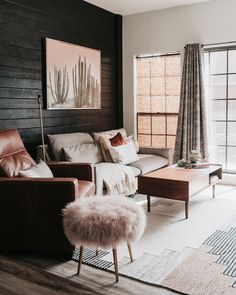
(61, 54)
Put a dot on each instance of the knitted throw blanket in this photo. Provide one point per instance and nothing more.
(118, 179)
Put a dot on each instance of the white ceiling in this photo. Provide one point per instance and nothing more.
(126, 7)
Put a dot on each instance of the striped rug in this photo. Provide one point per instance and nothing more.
(224, 245)
(187, 272)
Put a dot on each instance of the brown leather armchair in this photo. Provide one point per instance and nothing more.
(31, 208)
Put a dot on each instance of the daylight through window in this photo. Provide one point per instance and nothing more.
(158, 90)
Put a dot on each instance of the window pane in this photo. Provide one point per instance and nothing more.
(218, 133)
(173, 85)
(158, 91)
(217, 155)
(218, 109)
(218, 87)
(158, 67)
(218, 62)
(158, 104)
(232, 61)
(144, 140)
(158, 141)
(144, 124)
(232, 109)
(172, 104)
(143, 87)
(143, 68)
(159, 124)
(172, 124)
(173, 65)
(144, 104)
(232, 133)
(158, 86)
(232, 86)
(231, 155)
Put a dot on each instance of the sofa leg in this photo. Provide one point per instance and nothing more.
(80, 258)
(115, 264)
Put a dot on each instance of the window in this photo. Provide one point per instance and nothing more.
(221, 81)
(158, 90)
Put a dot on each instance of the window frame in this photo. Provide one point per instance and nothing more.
(209, 50)
(151, 114)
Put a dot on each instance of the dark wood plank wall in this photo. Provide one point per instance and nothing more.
(23, 26)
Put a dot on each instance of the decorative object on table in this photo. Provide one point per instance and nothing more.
(192, 129)
(103, 222)
(195, 156)
(183, 163)
(73, 76)
(196, 161)
(41, 126)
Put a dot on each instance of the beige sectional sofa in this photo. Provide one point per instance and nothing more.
(149, 158)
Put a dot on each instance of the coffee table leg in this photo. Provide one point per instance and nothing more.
(148, 203)
(213, 191)
(186, 209)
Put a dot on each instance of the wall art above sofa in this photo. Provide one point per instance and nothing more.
(73, 76)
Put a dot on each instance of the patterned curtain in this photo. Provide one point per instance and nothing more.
(192, 128)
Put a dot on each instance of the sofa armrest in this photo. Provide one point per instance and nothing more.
(163, 152)
(39, 188)
(81, 171)
(31, 213)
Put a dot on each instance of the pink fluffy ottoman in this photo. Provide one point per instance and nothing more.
(104, 222)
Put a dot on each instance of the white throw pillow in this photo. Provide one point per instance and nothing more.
(124, 154)
(59, 141)
(132, 139)
(41, 170)
(83, 153)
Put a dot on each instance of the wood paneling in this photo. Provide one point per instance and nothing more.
(24, 24)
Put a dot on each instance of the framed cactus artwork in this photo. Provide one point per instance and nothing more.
(73, 76)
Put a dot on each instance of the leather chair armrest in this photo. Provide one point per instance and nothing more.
(163, 152)
(81, 171)
(31, 213)
(50, 188)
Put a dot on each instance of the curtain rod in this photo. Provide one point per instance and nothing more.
(221, 43)
(156, 55)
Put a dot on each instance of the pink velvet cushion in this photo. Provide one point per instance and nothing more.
(13, 155)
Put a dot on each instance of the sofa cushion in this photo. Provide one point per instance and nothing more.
(123, 154)
(117, 140)
(13, 155)
(148, 163)
(58, 141)
(109, 133)
(38, 171)
(83, 153)
(132, 139)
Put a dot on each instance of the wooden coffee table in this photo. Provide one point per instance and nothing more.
(178, 183)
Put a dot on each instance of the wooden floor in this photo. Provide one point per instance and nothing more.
(32, 276)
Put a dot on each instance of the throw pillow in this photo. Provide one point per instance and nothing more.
(41, 170)
(124, 154)
(105, 145)
(58, 141)
(109, 133)
(83, 153)
(117, 140)
(131, 139)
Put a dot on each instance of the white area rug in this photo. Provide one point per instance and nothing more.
(170, 240)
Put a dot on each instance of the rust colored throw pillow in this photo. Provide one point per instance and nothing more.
(117, 140)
